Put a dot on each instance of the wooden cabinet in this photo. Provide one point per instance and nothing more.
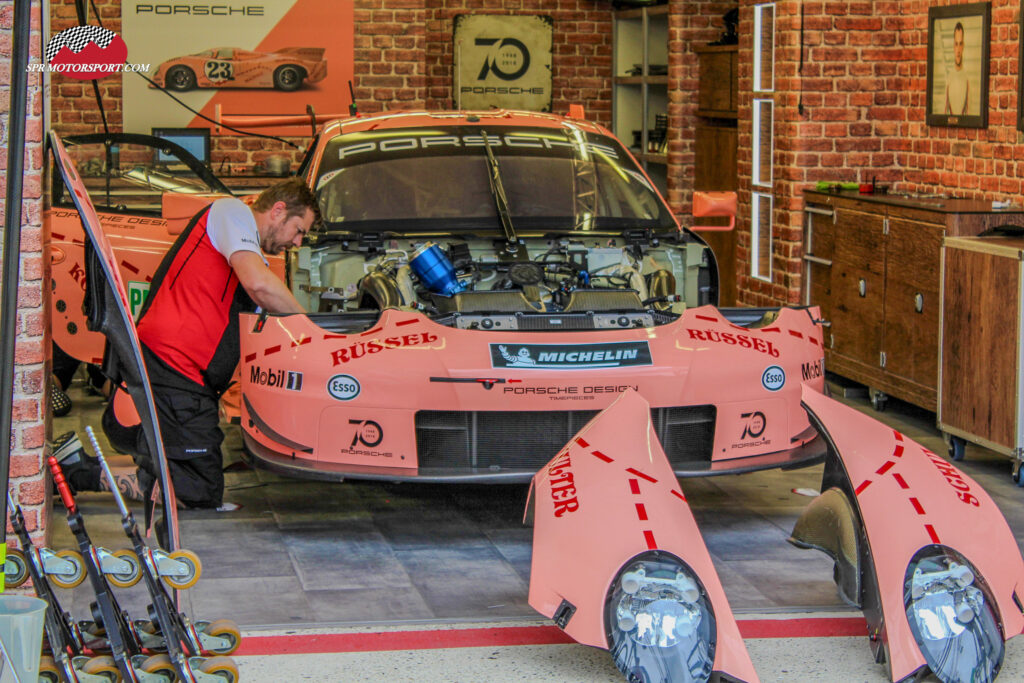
(718, 91)
(981, 397)
(640, 86)
(715, 149)
(872, 262)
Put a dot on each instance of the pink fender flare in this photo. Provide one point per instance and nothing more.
(608, 497)
(908, 499)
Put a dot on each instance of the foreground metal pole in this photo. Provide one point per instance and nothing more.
(12, 238)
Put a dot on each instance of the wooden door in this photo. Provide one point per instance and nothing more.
(715, 169)
(858, 293)
(913, 253)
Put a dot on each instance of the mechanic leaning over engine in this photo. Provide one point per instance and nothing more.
(189, 330)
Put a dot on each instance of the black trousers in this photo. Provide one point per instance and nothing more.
(190, 430)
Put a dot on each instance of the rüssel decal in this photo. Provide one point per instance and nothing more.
(362, 348)
(773, 378)
(735, 339)
(570, 356)
(343, 387)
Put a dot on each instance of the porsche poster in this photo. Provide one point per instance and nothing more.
(249, 57)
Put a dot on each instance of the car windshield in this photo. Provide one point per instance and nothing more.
(125, 172)
(437, 179)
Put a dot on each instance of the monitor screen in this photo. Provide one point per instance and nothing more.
(195, 140)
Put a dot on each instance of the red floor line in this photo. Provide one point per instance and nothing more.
(513, 635)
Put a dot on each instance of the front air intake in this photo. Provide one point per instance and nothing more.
(526, 440)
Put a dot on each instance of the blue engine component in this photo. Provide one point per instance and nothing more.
(435, 271)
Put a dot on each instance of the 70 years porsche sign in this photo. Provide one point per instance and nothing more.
(503, 61)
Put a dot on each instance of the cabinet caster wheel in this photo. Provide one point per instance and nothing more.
(957, 447)
(879, 400)
(1018, 475)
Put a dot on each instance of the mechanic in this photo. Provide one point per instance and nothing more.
(189, 330)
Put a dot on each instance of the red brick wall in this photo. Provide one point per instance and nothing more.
(863, 89)
(29, 419)
(691, 24)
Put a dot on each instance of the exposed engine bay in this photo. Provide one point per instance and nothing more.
(567, 282)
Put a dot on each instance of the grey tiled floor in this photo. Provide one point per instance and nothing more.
(303, 552)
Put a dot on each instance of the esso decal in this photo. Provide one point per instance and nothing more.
(343, 387)
(773, 378)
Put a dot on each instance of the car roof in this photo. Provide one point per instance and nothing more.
(492, 117)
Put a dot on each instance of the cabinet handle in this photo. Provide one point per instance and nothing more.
(862, 287)
(918, 302)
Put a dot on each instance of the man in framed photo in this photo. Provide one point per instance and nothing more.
(958, 87)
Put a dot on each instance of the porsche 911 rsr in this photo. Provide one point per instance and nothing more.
(484, 284)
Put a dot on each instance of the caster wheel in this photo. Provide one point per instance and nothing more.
(879, 400)
(1018, 476)
(195, 569)
(132, 576)
(77, 575)
(224, 667)
(48, 670)
(226, 630)
(957, 447)
(160, 665)
(103, 666)
(15, 569)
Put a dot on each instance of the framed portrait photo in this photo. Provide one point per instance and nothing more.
(958, 55)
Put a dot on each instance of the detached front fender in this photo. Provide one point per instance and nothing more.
(611, 526)
(919, 546)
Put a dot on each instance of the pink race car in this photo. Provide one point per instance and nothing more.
(231, 67)
(485, 283)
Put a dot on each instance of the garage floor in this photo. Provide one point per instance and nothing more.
(307, 554)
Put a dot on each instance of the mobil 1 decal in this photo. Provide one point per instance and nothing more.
(570, 356)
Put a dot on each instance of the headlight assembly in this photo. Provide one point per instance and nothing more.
(953, 616)
(659, 621)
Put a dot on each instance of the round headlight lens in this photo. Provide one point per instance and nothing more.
(660, 623)
(953, 616)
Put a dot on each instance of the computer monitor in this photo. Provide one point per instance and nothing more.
(195, 140)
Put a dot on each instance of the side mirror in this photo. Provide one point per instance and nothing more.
(714, 204)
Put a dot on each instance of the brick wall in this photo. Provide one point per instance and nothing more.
(29, 419)
(863, 87)
(691, 24)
